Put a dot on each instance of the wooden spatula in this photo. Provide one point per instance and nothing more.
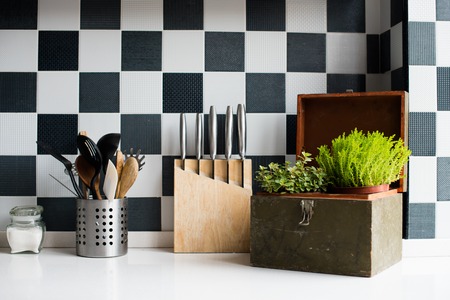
(129, 174)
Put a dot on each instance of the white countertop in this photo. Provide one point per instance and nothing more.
(158, 273)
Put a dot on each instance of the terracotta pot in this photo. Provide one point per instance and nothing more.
(360, 189)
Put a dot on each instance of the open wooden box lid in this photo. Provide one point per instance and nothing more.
(323, 117)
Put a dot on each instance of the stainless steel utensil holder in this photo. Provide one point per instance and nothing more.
(102, 227)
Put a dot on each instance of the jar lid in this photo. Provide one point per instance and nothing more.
(26, 212)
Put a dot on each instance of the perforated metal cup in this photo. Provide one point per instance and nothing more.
(102, 227)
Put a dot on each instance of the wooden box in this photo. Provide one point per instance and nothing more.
(323, 117)
(325, 233)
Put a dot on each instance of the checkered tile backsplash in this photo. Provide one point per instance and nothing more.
(132, 66)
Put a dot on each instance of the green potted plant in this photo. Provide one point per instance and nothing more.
(360, 160)
(298, 178)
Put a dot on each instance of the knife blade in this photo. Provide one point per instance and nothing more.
(212, 129)
(199, 139)
(183, 135)
(242, 135)
(228, 138)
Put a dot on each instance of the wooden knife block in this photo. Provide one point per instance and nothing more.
(212, 213)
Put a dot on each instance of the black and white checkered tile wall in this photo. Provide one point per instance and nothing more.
(132, 66)
(429, 136)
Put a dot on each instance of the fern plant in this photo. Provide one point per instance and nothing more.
(299, 178)
(360, 159)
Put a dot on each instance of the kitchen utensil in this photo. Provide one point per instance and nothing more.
(91, 153)
(137, 156)
(129, 174)
(242, 134)
(119, 166)
(212, 130)
(65, 162)
(110, 183)
(228, 138)
(183, 142)
(107, 145)
(199, 139)
(85, 171)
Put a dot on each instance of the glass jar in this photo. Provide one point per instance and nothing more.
(26, 232)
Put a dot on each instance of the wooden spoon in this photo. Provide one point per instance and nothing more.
(86, 171)
(119, 167)
(129, 174)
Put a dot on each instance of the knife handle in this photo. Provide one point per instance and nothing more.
(228, 132)
(199, 136)
(212, 132)
(242, 130)
(183, 135)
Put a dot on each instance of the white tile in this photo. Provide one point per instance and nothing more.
(378, 82)
(266, 134)
(58, 92)
(265, 52)
(141, 92)
(373, 16)
(346, 53)
(7, 203)
(18, 50)
(422, 179)
(170, 138)
(46, 186)
(167, 220)
(100, 51)
(422, 89)
(422, 10)
(397, 46)
(442, 44)
(183, 51)
(222, 89)
(227, 15)
(443, 134)
(98, 124)
(303, 83)
(442, 220)
(19, 133)
(59, 14)
(306, 16)
(385, 15)
(149, 180)
(142, 15)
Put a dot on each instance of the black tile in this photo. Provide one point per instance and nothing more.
(144, 214)
(422, 133)
(168, 174)
(442, 10)
(58, 50)
(183, 15)
(291, 134)
(346, 16)
(18, 14)
(422, 43)
(398, 79)
(373, 53)
(182, 92)
(422, 221)
(224, 51)
(220, 135)
(396, 12)
(265, 93)
(443, 88)
(263, 161)
(59, 131)
(17, 92)
(339, 83)
(443, 174)
(17, 175)
(100, 14)
(306, 52)
(59, 213)
(141, 50)
(141, 132)
(266, 15)
(385, 49)
(99, 92)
